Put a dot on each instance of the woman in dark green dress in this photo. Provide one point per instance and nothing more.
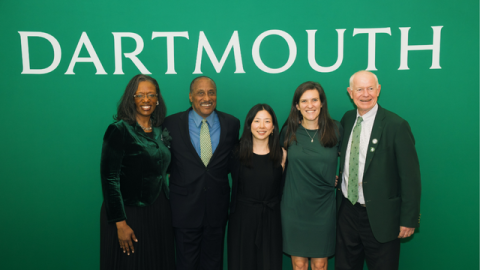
(312, 139)
(135, 220)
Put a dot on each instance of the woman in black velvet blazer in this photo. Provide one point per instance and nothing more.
(136, 224)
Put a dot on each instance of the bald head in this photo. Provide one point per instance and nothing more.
(363, 73)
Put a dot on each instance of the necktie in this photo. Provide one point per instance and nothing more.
(353, 163)
(205, 143)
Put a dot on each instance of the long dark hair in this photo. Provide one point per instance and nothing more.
(328, 130)
(245, 149)
(126, 109)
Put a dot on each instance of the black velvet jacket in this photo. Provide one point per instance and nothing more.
(132, 168)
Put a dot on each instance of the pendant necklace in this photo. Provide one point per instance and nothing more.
(309, 134)
(146, 128)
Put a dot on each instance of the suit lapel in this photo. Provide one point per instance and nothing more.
(223, 133)
(375, 137)
(185, 133)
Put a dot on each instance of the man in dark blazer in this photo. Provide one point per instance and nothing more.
(199, 188)
(378, 197)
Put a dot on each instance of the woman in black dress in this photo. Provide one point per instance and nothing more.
(254, 228)
(135, 220)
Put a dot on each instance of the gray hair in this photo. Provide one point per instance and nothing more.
(353, 76)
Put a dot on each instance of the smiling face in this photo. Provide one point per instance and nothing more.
(203, 97)
(364, 90)
(310, 105)
(145, 106)
(262, 125)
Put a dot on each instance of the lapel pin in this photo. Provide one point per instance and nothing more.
(372, 149)
(374, 141)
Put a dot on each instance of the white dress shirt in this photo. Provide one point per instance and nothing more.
(367, 125)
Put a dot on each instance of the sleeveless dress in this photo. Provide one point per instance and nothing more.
(308, 203)
(254, 228)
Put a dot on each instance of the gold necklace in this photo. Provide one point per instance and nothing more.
(146, 128)
(309, 134)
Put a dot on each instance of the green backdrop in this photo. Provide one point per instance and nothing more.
(53, 123)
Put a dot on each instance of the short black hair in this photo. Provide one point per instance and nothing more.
(201, 77)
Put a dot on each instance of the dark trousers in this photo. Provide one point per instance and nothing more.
(356, 243)
(200, 248)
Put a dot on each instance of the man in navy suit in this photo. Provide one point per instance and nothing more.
(199, 188)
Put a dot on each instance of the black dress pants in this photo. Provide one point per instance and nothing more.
(200, 248)
(356, 243)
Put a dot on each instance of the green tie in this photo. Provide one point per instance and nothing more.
(205, 143)
(353, 164)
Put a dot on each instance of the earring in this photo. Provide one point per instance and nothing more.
(157, 102)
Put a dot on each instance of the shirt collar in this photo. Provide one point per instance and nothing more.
(197, 119)
(370, 115)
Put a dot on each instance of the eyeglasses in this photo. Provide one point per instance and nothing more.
(149, 96)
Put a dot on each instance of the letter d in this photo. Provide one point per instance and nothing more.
(57, 52)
